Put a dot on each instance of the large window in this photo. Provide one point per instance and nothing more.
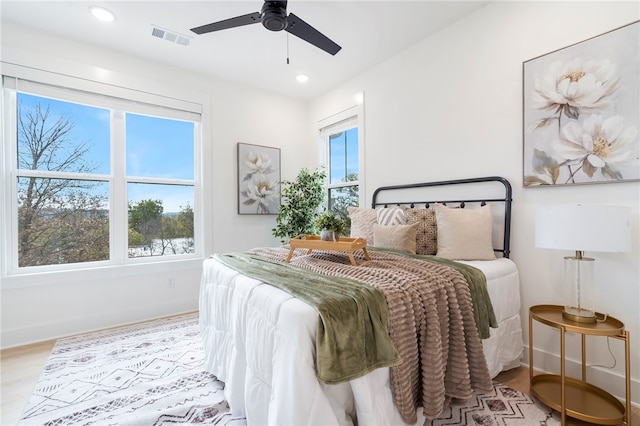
(95, 178)
(342, 142)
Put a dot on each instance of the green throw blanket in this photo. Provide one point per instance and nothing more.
(345, 348)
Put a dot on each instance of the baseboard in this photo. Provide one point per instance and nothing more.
(55, 330)
(611, 381)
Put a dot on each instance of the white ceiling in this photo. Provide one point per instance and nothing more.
(368, 31)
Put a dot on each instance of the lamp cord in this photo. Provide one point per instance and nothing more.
(615, 362)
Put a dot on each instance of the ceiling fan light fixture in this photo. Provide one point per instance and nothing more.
(302, 78)
(102, 14)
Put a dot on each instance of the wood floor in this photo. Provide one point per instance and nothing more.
(518, 379)
(21, 368)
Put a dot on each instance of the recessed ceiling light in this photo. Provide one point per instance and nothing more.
(302, 78)
(102, 14)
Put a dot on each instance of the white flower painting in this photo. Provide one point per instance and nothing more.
(258, 179)
(582, 112)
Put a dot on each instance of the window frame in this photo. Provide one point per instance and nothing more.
(16, 78)
(352, 115)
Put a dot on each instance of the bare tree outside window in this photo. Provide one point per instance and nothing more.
(59, 220)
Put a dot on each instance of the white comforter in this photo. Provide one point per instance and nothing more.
(260, 341)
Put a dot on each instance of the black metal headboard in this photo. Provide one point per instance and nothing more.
(502, 196)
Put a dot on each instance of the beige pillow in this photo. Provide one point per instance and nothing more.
(362, 221)
(396, 237)
(464, 234)
(426, 234)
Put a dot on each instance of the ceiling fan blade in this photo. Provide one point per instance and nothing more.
(238, 21)
(301, 29)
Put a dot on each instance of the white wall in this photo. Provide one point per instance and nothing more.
(41, 307)
(451, 107)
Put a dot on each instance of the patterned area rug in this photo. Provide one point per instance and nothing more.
(502, 407)
(151, 374)
(144, 374)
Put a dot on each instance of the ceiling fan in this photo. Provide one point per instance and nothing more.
(274, 18)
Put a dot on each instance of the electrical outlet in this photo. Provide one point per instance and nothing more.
(171, 282)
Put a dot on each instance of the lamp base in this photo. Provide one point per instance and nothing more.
(573, 313)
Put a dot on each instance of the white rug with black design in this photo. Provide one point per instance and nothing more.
(151, 374)
(503, 406)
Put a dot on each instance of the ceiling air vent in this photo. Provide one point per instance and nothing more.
(171, 36)
(157, 32)
(183, 40)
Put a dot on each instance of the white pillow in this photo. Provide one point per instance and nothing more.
(464, 234)
(362, 221)
(396, 237)
(390, 216)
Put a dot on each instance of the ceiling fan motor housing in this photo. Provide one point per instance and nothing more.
(274, 15)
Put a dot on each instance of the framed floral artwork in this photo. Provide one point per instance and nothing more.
(258, 179)
(581, 112)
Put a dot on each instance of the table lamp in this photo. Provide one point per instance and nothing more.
(582, 228)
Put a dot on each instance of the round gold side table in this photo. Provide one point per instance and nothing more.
(574, 397)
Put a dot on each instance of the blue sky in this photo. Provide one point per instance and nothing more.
(343, 162)
(159, 147)
(156, 147)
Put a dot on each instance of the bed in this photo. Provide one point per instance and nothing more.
(261, 340)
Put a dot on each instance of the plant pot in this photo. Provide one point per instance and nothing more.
(328, 235)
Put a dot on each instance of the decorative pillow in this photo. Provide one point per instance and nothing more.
(362, 221)
(464, 234)
(426, 234)
(390, 216)
(396, 237)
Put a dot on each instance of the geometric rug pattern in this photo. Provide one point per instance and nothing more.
(144, 374)
(152, 374)
(501, 407)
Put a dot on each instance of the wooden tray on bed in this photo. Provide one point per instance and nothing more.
(344, 244)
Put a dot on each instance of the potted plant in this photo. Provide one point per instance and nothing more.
(301, 199)
(331, 226)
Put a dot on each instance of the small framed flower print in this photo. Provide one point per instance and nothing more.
(581, 112)
(258, 179)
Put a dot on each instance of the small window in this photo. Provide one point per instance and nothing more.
(343, 190)
(342, 140)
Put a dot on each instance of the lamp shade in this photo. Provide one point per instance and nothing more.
(583, 228)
